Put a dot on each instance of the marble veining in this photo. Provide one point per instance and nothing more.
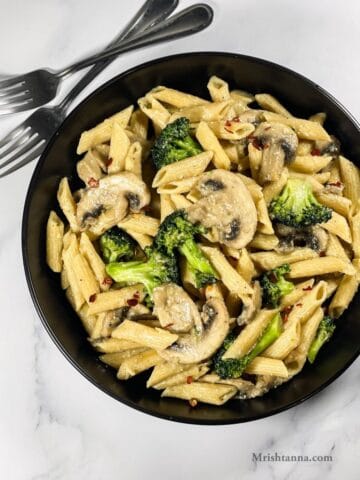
(55, 425)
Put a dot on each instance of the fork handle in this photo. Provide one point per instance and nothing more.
(151, 13)
(187, 22)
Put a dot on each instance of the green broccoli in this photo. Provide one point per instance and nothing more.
(159, 268)
(323, 334)
(234, 367)
(116, 244)
(297, 207)
(177, 232)
(274, 286)
(174, 144)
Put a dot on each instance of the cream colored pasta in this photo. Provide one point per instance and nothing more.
(267, 366)
(215, 394)
(140, 223)
(230, 277)
(67, 204)
(157, 338)
(248, 336)
(54, 242)
(209, 142)
(102, 132)
(124, 322)
(186, 168)
(268, 102)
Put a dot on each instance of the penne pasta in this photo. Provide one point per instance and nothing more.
(209, 142)
(189, 167)
(115, 299)
(140, 223)
(215, 394)
(102, 132)
(267, 366)
(320, 266)
(54, 242)
(156, 338)
(229, 276)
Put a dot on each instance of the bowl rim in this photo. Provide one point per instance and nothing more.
(25, 253)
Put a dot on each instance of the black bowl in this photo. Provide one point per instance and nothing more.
(190, 73)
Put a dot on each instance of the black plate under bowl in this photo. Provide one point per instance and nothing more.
(188, 72)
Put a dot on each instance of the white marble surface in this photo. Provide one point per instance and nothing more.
(53, 423)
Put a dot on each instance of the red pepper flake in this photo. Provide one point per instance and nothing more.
(193, 402)
(285, 313)
(189, 379)
(92, 298)
(256, 144)
(308, 288)
(298, 305)
(168, 325)
(136, 295)
(108, 162)
(236, 119)
(132, 302)
(107, 281)
(228, 130)
(266, 145)
(322, 254)
(336, 184)
(267, 128)
(315, 152)
(228, 123)
(93, 183)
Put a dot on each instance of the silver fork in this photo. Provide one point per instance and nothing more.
(28, 140)
(36, 88)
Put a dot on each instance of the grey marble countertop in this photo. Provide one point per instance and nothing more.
(54, 424)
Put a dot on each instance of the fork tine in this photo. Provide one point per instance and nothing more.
(15, 97)
(34, 153)
(4, 92)
(14, 143)
(9, 82)
(17, 108)
(12, 135)
(21, 150)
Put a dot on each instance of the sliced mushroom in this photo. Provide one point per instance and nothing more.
(108, 201)
(251, 305)
(202, 342)
(251, 116)
(313, 237)
(226, 206)
(328, 147)
(278, 143)
(175, 309)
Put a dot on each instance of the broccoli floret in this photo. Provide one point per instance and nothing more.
(274, 286)
(297, 207)
(177, 232)
(159, 268)
(116, 244)
(174, 144)
(325, 330)
(234, 367)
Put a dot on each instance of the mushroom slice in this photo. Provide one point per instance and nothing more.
(328, 147)
(251, 116)
(202, 342)
(278, 143)
(226, 206)
(313, 237)
(109, 200)
(251, 305)
(175, 309)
